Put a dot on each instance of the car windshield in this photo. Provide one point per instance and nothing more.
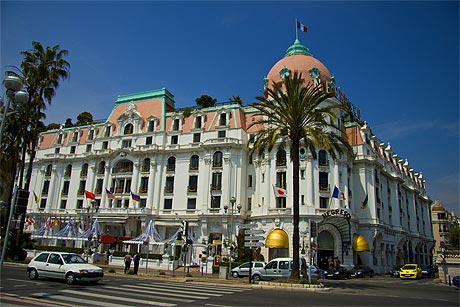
(409, 267)
(73, 258)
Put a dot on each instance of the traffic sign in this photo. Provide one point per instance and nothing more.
(247, 226)
(253, 244)
(253, 238)
(254, 231)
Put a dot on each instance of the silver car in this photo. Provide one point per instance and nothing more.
(243, 270)
(279, 268)
(69, 266)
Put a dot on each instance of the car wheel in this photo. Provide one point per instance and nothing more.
(256, 278)
(70, 278)
(235, 275)
(33, 274)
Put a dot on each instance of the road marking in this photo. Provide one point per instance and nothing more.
(84, 302)
(181, 289)
(171, 292)
(149, 295)
(124, 299)
(25, 280)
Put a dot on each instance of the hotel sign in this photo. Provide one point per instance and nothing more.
(337, 212)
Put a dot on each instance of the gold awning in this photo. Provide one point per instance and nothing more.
(360, 243)
(278, 238)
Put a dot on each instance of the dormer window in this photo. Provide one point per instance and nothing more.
(59, 139)
(91, 135)
(176, 124)
(129, 128)
(75, 136)
(198, 123)
(151, 126)
(222, 119)
(108, 131)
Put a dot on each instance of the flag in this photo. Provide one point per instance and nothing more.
(90, 195)
(36, 198)
(301, 27)
(364, 204)
(57, 222)
(279, 192)
(50, 222)
(135, 197)
(30, 221)
(335, 193)
(110, 195)
(342, 196)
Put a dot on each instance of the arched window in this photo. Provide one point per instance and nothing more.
(194, 162)
(281, 158)
(101, 168)
(217, 159)
(146, 165)
(171, 164)
(84, 170)
(68, 170)
(129, 128)
(322, 158)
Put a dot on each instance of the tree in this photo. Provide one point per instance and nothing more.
(68, 123)
(205, 101)
(84, 118)
(293, 113)
(236, 99)
(43, 69)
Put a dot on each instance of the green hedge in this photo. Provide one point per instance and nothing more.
(59, 249)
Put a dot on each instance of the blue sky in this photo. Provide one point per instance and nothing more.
(397, 61)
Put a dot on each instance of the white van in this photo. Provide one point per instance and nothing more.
(277, 268)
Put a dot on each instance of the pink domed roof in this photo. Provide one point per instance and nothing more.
(298, 58)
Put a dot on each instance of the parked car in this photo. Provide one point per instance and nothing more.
(315, 272)
(362, 271)
(410, 271)
(339, 272)
(394, 272)
(69, 266)
(243, 269)
(278, 268)
(456, 281)
(428, 271)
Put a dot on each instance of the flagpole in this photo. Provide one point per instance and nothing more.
(296, 30)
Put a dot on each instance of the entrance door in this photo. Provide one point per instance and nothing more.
(325, 251)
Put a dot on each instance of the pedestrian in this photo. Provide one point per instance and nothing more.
(337, 261)
(127, 262)
(107, 255)
(136, 260)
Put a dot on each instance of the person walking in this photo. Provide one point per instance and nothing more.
(136, 260)
(127, 262)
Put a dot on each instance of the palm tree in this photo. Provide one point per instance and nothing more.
(43, 69)
(297, 114)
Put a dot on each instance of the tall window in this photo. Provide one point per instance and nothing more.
(107, 131)
(81, 187)
(281, 202)
(63, 204)
(215, 202)
(222, 119)
(176, 123)
(91, 135)
(169, 184)
(196, 137)
(151, 126)
(191, 204)
(198, 122)
(75, 136)
(84, 170)
(146, 165)
(68, 170)
(101, 168)
(144, 185)
(99, 183)
(194, 163)
(217, 159)
(192, 183)
(168, 204)
(323, 202)
(49, 168)
(65, 188)
(129, 129)
(171, 166)
(281, 158)
(322, 158)
(46, 187)
(281, 180)
(323, 181)
(217, 181)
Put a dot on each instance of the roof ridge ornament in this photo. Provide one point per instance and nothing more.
(297, 48)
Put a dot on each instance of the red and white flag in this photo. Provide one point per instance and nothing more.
(90, 195)
(279, 192)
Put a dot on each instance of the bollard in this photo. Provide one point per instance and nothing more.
(450, 282)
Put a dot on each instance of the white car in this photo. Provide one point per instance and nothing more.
(69, 266)
(243, 270)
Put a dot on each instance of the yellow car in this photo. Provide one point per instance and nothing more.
(412, 271)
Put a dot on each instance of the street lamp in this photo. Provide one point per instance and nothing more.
(232, 203)
(13, 85)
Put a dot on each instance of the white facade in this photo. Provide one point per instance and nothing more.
(188, 167)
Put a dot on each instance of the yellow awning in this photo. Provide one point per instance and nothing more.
(277, 238)
(360, 244)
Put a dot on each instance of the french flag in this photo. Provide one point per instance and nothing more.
(301, 27)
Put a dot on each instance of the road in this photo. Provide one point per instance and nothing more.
(118, 290)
